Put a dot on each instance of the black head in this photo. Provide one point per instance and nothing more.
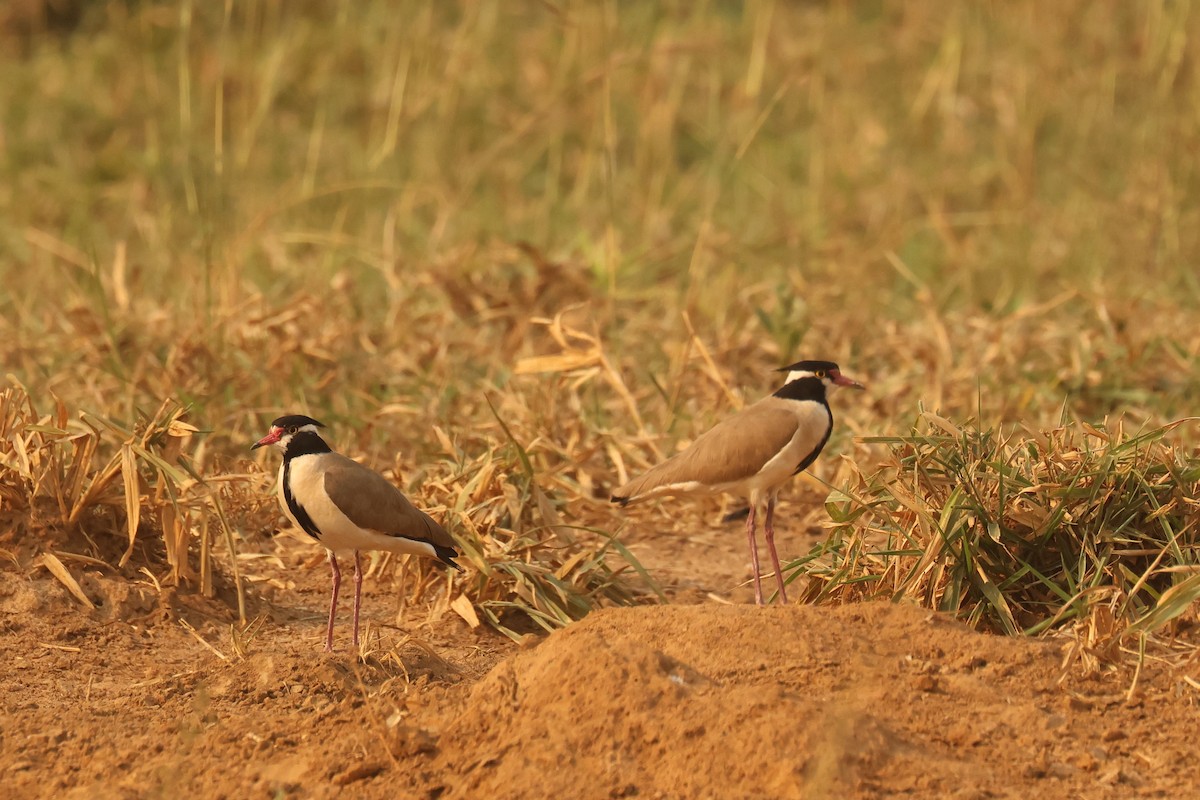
(296, 421)
(285, 427)
(821, 375)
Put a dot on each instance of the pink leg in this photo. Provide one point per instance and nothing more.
(357, 595)
(769, 528)
(758, 600)
(337, 582)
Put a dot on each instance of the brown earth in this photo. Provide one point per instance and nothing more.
(707, 700)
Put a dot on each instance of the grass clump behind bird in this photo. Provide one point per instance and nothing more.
(1020, 531)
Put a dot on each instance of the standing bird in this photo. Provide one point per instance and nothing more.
(754, 453)
(346, 506)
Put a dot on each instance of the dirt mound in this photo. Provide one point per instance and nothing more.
(733, 701)
(147, 696)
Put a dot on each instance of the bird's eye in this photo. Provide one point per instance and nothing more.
(292, 429)
(820, 373)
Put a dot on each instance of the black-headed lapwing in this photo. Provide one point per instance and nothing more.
(346, 506)
(754, 453)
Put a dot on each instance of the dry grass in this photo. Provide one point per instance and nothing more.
(595, 222)
(1021, 531)
(93, 477)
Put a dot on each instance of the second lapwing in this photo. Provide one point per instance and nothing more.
(346, 506)
(754, 453)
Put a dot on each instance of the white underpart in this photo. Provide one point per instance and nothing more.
(686, 487)
(337, 531)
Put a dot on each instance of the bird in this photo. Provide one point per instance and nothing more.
(753, 453)
(346, 506)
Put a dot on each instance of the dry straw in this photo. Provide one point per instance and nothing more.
(1023, 530)
(112, 485)
(119, 487)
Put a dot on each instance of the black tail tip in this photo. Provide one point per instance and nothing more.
(735, 515)
(446, 555)
(621, 501)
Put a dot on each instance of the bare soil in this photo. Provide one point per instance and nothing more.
(697, 699)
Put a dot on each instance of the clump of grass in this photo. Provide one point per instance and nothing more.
(526, 565)
(1020, 531)
(111, 483)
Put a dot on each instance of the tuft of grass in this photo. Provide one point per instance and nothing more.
(526, 568)
(1022, 530)
(113, 484)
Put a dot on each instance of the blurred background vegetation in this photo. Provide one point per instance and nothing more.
(972, 204)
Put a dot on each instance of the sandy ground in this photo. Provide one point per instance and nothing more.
(152, 695)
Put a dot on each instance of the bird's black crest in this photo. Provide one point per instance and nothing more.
(810, 366)
(295, 421)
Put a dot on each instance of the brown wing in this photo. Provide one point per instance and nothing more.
(372, 502)
(733, 450)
